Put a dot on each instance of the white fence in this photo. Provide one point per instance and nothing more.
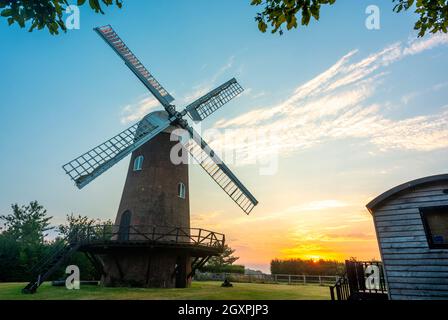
(267, 278)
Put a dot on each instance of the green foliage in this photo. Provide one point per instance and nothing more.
(223, 263)
(80, 225)
(433, 14)
(45, 13)
(286, 12)
(307, 267)
(9, 257)
(22, 242)
(17, 258)
(27, 224)
(225, 259)
(86, 269)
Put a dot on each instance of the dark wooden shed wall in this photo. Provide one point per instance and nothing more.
(413, 270)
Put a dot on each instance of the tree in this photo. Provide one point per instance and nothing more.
(433, 14)
(22, 242)
(9, 259)
(82, 226)
(223, 263)
(225, 259)
(27, 224)
(77, 225)
(45, 13)
(308, 267)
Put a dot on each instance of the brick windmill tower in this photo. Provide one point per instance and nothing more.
(152, 244)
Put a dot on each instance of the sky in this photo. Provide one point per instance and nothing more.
(332, 115)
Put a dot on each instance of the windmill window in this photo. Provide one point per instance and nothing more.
(181, 190)
(138, 163)
(435, 221)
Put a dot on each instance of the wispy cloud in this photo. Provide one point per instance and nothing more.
(416, 47)
(335, 105)
(204, 87)
(412, 95)
(136, 111)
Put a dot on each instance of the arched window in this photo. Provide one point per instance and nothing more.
(181, 190)
(138, 163)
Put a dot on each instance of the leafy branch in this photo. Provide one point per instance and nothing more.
(45, 13)
(433, 14)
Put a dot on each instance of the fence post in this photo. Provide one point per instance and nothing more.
(289, 279)
(304, 279)
(320, 280)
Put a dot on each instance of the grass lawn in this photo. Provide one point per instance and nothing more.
(208, 290)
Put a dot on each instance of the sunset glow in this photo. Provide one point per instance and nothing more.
(316, 134)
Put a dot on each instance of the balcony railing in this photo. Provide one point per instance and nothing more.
(363, 280)
(147, 234)
(357, 273)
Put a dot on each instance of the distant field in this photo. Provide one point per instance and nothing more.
(209, 290)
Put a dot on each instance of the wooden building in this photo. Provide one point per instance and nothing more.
(411, 223)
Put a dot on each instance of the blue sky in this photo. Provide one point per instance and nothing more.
(375, 115)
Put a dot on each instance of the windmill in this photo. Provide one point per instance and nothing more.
(156, 190)
(85, 168)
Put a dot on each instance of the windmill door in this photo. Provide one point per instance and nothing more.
(125, 223)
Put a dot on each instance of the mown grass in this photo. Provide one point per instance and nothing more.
(207, 290)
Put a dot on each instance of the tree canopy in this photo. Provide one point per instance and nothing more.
(23, 243)
(27, 224)
(276, 14)
(45, 13)
(308, 267)
(223, 263)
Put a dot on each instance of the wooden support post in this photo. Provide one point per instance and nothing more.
(332, 293)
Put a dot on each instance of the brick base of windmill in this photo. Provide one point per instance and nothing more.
(151, 243)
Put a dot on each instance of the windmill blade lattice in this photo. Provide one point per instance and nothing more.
(93, 163)
(219, 172)
(118, 45)
(215, 99)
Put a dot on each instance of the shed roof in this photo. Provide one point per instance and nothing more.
(372, 205)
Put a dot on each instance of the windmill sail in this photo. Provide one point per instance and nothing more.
(93, 163)
(112, 38)
(215, 99)
(219, 172)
